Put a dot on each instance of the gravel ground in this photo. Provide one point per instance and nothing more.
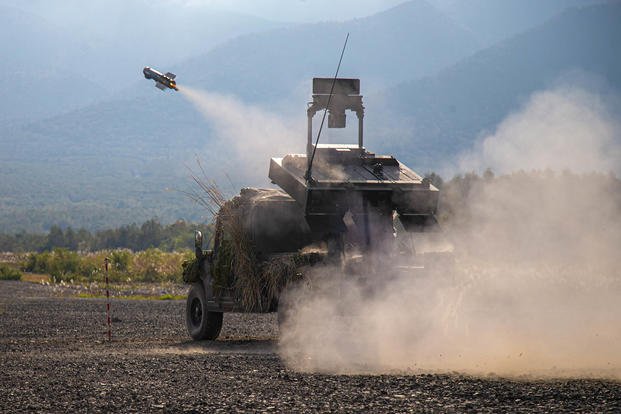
(55, 358)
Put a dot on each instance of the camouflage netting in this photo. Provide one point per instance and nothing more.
(191, 270)
(254, 280)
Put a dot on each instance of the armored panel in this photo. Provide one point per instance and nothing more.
(347, 178)
(342, 86)
(276, 224)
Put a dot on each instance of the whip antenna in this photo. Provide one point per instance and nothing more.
(308, 174)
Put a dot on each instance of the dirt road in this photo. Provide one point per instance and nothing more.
(55, 358)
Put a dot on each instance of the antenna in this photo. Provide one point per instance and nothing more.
(308, 175)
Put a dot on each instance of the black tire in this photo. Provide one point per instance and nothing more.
(201, 323)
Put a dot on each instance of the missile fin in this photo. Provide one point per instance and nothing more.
(160, 86)
(170, 75)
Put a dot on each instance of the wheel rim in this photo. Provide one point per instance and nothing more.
(196, 312)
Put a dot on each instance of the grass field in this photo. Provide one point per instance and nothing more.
(150, 274)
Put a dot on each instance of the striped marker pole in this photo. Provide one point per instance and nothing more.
(106, 261)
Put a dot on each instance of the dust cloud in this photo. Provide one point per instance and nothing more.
(563, 128)
(535, 286)
(255, 135)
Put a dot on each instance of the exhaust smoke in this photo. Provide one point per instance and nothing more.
(253, 134)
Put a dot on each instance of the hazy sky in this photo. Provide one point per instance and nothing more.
(297, 10)
(278, 10)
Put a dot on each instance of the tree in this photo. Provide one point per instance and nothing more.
(488, 175)
(435, 179)
(55, 238)
(151, 234)
(71, 240)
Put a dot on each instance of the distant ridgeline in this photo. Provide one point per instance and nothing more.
(456, 199)
(151, 234)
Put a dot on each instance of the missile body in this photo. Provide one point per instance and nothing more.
(162, 80)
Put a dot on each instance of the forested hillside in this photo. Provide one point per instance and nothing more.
(429, 92)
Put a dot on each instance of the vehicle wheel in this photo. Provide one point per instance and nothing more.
(201, 324)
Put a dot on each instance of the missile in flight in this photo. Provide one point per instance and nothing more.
(162, 80)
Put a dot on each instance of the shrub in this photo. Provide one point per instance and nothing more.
(9, 273)
(37, 262)
(121, 260)
(152, 265)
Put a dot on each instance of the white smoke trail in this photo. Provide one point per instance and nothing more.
(255, 135)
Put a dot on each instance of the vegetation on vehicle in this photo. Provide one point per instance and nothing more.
(255, 282)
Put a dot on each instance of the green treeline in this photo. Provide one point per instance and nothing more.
(456, 197)
(151, 234)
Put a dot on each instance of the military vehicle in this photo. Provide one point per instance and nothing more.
(336, 203)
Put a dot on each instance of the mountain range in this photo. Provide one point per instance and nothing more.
(432, 76)
(66, 55)
(443, 114)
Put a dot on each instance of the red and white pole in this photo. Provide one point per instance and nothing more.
(106, 261)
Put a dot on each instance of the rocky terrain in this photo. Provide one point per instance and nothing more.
(55, 357)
